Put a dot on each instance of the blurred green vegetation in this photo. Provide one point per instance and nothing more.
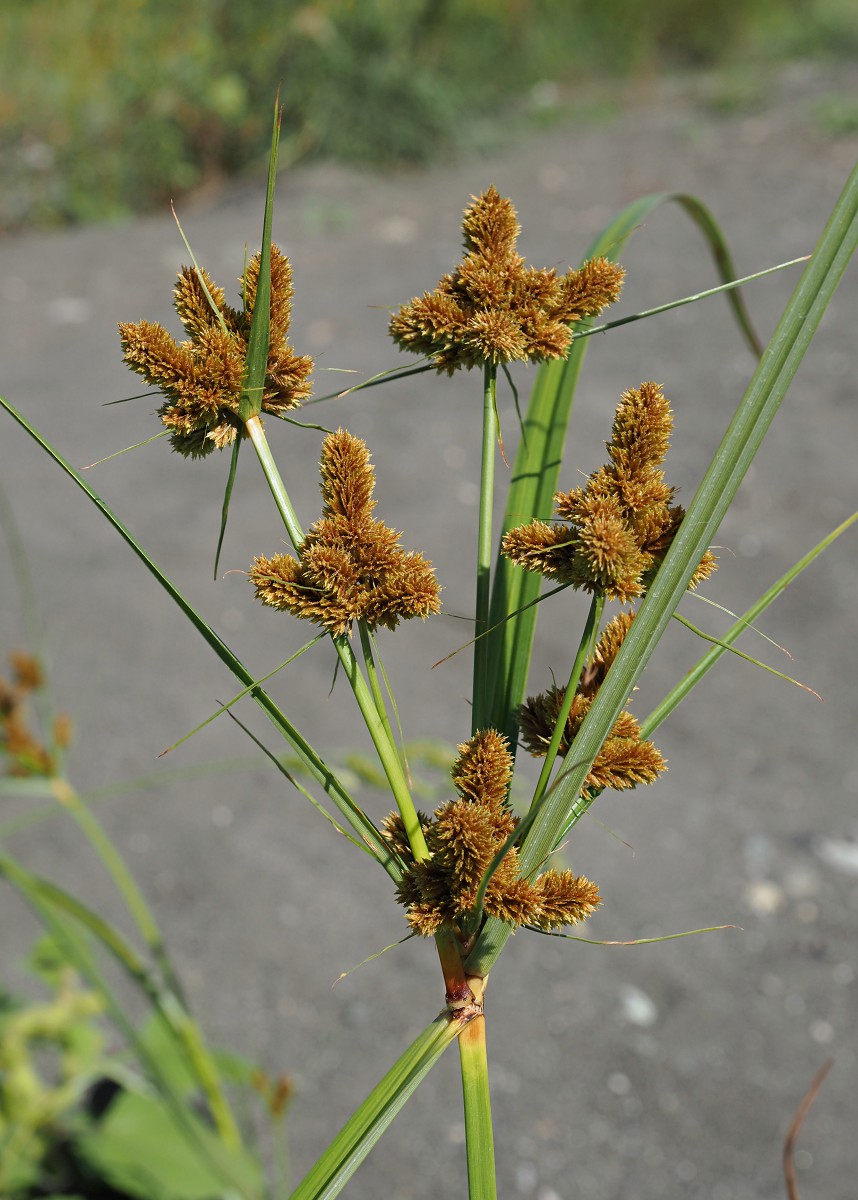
(112, 106)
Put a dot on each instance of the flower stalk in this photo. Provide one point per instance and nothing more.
(583, 656)
(256, 433)
(378, 727)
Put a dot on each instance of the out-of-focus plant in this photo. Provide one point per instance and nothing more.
(77, 1116)
(160, 99)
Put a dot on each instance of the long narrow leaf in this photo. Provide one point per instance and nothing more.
(705, 513)
(240, 695)
(250, 401)
(677, 694)
(315, 765)
(227, 496)
(298, 787)
(537, 465)
(363, 1129)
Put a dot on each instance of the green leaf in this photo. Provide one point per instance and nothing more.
(363, 1129)
(315, 765)
(707, 662)
(65, 916)
(137, 1149)
(707, 637)
(159, 1042)
(537, 465)
(250, 401)
(564, 805)
(227, 496)
(240, 696)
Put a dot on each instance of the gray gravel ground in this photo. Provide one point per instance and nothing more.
(670, 1070)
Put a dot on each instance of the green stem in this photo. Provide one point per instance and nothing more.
(205, 1069)
(256, 434)
(385, 748)
(585, 651)
(122, 878)
(378, 727)
(372, 676)
(485, 547)
(479, 1138)
(311, 760)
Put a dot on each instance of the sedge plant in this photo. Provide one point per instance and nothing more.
(470, 873)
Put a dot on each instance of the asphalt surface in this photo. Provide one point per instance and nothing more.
(668, 1070)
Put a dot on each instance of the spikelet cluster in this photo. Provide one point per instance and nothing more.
(463, 837)
(202, 377)
(350, 566)
(493, 308)
(621, 525)
(625, 759)
(24, 751)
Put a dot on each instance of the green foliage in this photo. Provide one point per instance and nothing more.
(157, 99)
(135, 1148)
(75, 1116)
(836, 114)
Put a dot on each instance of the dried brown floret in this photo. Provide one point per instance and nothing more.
(565, 899)
(483, 770)
(23, 749)
(350, 567)
(493, 308)
(625, 759)
(621, 525)
(202, 377)
(27, 671)
(607, 648)
(464, 837)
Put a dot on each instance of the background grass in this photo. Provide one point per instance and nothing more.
(109, 107)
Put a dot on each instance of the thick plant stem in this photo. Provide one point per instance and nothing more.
(479, 1136)
(585, 650)
(485, 548)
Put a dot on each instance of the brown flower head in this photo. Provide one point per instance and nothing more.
(463, 837)
(24, 750)
(493, 308)
(350, 566)
(625, 759)
(621, 525)
(202, 377)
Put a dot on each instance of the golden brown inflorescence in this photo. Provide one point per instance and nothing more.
(350, 566)
(202, 378)
(493, 308)
(625, 759)
(25, 752)
(621, 525)
(463, 837)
